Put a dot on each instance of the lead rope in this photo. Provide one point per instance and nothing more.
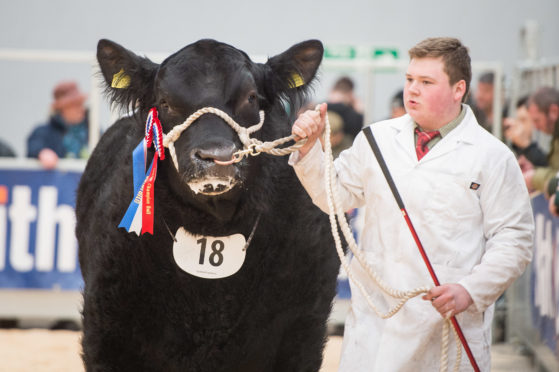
(253, 147)
(334, 207)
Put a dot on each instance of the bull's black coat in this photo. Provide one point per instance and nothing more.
(141, 311)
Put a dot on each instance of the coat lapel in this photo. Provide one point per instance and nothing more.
(404, 135)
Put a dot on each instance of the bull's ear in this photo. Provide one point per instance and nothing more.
(129, 78)
(297, 66)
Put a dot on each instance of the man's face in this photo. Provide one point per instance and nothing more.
(540, 119)
(428, 96)
(73, 114)
(523, 117)
(484, 96)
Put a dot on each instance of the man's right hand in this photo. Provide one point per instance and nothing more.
(310, 124)
(48, 158)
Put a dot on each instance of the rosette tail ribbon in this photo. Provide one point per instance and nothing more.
(139, 215)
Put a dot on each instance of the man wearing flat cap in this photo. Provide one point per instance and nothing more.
(65, 135)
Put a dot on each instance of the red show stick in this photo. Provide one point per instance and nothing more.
(372, 142)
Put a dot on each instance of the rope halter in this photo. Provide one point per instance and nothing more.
(252, 146)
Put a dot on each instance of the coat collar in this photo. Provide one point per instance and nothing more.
(466, 132)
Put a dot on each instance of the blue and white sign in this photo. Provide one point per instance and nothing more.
(38, 247)
(545, 275)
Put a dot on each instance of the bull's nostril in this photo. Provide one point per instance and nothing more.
(204, 155)
(221, 154)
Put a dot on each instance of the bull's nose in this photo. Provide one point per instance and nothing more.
(221, 153)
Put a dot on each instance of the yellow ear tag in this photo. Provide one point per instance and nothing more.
(296, 80)
(120, 80)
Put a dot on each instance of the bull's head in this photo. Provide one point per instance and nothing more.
(211, 74)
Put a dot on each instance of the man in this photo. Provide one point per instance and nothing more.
(484, 98)
(6, 150)
(466, 198)
(65, 135)
(343, 101)
(518, 130)
(397, 107)
(543, 107)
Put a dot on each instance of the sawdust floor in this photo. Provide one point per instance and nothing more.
(41, 350)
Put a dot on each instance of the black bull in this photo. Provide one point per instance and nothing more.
(141, 311)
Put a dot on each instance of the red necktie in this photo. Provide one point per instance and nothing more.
(423, 139)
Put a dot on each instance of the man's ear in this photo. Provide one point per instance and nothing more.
(460, 91)
(129, 79)
(296, 67)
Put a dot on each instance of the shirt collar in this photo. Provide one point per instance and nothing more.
(446, 129)
(469, 128)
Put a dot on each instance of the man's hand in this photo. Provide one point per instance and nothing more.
(525, 164)
(48, 158)
(310, 124)
(449, 299)
(528, 177)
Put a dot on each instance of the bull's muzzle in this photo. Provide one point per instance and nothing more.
(213, 179)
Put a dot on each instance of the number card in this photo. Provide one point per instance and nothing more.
(209, 257)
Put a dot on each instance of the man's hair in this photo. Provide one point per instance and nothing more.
(397, 99)
(544, 98)
(455, 57)
(487, 78)
(522, 102)
(344, 84)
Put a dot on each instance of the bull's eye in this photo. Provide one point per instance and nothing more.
(164, 105)
(252, 98)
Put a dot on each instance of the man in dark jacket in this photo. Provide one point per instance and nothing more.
(6, 150)
(543, 107)
(65, 135)
(343, 102)
(518, 131)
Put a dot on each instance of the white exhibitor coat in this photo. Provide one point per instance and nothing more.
(478, 236)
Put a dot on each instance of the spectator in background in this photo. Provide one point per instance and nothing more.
(483, 98)
(65, 135)
(543, 107)
(6, 150)
(518, 131)
(480, 116)
(342, 100)
(338, 139)
(397, 108)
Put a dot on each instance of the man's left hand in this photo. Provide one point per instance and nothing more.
(449, 299)
(528, 177)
